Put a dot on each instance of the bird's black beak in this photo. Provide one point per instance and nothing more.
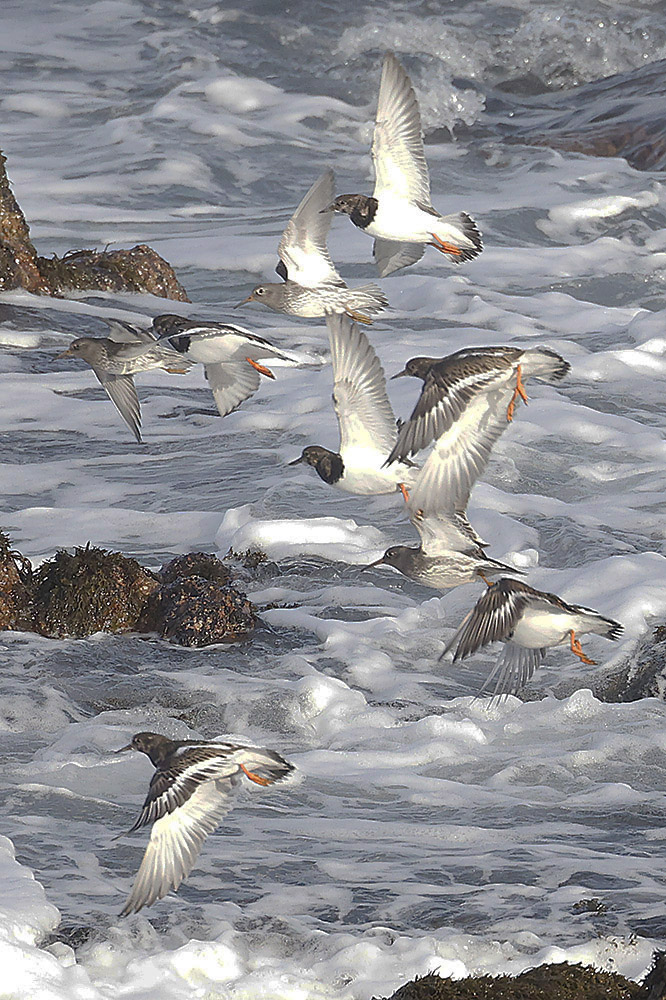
(123, 749)
(297, 461)
(330, 208)
(377, 562)
(400, 374)
(248, 299)
(65, 354)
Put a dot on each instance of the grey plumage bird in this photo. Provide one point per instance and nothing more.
(311, 284)
(528, 622)
(228, 353)
(465, 405)
(191, 791)
(399, 214)
(115, 360)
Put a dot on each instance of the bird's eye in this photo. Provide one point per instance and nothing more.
(259, 291)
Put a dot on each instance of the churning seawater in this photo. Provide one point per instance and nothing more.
(427, 830)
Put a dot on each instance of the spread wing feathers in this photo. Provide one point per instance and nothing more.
(122, 332)
(514, 668)
(443, 401)
(460, 455)
(122, 392)
(362, 405)
(302, 249)
(390, 255)
(176, 839)
(492, 619)
(397, 146)
(231, 384)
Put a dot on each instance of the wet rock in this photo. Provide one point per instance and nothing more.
(643, 675)
(140, 269)
(654, 983)
(196, 605)
(89, 590)
(559, 981)
(15, 588)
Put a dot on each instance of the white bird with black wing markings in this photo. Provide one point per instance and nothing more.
(399, 214)
(191, 791)
(529, 622)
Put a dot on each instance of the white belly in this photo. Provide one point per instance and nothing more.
(209, 351)
(401, 221)
(540, 628)
(365, 473)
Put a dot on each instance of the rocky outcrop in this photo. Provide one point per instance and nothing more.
(15, 588)
(140, 269)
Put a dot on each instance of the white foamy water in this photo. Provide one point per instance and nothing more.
(425, 830)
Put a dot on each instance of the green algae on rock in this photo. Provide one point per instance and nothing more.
(89, 590)
(15, 588)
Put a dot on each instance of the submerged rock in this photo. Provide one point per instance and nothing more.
(140, 269)
(89, 590)
(557, 981)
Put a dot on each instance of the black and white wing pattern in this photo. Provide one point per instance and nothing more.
(122, 392)
(438, 499)
(186, 802)
(231, 384)
(361, 402)
(302, 251)
(492, 619)
(514, 668)
(122, 332)
(391, 255)
(400, 165)
(447, 390)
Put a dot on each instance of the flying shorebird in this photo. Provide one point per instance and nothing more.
(368, 429)
(311, 285)
(399, 215)
(190, 792)
(463, 407)
(115, 359)
(228, 353)
(529, 622)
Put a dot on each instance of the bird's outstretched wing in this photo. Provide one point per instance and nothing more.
(302, 251)
(492, 619)
(362, 405)
(122, 392)
(122, 332)
(400, 165)
(390, 255)
(514, 668)
(231, 384)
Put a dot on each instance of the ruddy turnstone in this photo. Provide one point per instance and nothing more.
(368, 429)
(463, 407)
(399, 215)
(311, 285)
(117, 358)
(529, 622)
(190, 792)
(228, 353)
(450, 383)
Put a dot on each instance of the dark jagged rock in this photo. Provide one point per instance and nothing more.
(654, 983)
(194, 611)
(203, 564)
(15, 588)
(89, 590)
(643, 675)
(140, 269)
(559, 981)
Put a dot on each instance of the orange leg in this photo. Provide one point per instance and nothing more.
(177, 371)
(260, 368)
(445, 247)
(488, 583)
(405, 492)
(518, 391)
(577, 651)
(254, 777)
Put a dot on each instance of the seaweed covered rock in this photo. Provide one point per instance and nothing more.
(15, 588)
(140, 269)
(559, 981)
(196, 606)
(89, 590)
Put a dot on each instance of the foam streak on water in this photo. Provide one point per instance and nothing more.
(426, 830)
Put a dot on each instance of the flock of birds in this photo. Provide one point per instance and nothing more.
(467, 401)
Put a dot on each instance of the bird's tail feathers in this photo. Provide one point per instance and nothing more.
(268, 764)
(369, 298)
(545, 364)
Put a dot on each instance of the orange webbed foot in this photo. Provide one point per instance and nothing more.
(577, 650)
(260, 368)
(405, 492)
(518, 391)
(445, 247)
(254, 777)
